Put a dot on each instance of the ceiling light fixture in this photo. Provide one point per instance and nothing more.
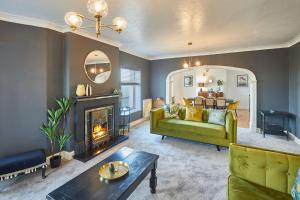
(99, 9)
(187, 64)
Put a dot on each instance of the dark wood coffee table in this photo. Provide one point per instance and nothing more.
(88, 185)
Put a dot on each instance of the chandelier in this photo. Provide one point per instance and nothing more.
(99, 9)
(188, 64)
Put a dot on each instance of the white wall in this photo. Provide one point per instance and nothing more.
(237, 93)
(177, 82)
(229, 88)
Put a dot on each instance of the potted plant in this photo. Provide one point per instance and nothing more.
(52, 131)
(220, 83)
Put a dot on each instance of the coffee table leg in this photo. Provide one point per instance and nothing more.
(153, 179)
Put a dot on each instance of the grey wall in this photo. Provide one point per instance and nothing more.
(271, 68)
(76, 50)
(37, 65)
(133, 62)
(30, 78)
(294, 84)
(41, 65)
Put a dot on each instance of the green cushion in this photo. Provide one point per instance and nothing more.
(171, 111)
(201, 128)
(296, 187)
(240, 189)
(216, 116)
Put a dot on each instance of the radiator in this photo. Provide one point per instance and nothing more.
(147, 106)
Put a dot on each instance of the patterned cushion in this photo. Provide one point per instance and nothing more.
(171, 111)
(216, 116)
(193, 113)
(296, 188)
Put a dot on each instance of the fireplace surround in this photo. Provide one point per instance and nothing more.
(96, 125)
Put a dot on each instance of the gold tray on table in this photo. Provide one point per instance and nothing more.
(120, 169)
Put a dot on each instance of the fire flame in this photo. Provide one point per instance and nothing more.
(99, 131)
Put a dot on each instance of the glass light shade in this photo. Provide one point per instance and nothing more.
(97, 7)
(73, 20)
(119, 23)
(185, 65)
(197, 63)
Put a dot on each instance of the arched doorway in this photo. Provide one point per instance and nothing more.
(252, 87)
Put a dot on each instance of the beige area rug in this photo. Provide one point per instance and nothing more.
(186, 169)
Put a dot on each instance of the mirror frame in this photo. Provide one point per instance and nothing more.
(86, 70)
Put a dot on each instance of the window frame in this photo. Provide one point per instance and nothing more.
(137, 82)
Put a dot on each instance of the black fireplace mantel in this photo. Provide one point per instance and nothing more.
(95, 97)
(81, 104)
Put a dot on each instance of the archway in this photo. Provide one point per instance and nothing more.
(252, 88)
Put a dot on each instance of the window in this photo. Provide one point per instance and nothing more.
(131, 89)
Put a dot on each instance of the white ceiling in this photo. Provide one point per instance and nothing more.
(162, 28)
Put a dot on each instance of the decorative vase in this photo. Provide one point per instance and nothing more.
(87, 90)
(91, 90)
(80, 90)
(55, 161)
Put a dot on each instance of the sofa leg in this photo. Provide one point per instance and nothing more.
(218, 148)
(44, 172)
(163, 137)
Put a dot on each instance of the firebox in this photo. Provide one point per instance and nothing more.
(99, 126)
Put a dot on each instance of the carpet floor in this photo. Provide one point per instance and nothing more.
(186, 169)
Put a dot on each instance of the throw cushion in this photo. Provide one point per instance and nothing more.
(193, 113)
(216, 116)
(296, 188)
(171, 111)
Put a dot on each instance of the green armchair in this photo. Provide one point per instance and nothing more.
(262, 174)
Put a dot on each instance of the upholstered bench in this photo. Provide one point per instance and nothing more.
(22, 163)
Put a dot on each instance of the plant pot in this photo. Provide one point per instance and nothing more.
(55, 161)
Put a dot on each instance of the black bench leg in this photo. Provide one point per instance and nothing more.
(153, 179)
(44, 172)
(163, 137)
(218, 148)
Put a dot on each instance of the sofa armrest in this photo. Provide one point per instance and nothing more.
(155, 116)
(231, 127)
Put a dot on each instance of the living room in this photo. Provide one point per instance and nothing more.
(89, 96)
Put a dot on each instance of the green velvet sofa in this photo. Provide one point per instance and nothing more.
(260, 174)
(196, 131)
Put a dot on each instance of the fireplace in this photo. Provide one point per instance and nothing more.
(96, 125)
(99, 126)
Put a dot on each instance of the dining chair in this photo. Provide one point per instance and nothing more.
(199, 101)
(233, 106)
(220, 103)
(209, 102)
(187, 102)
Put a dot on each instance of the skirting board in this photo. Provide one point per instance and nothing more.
(293, 137)
(137, 122)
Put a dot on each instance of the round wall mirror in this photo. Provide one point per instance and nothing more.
(97, 66)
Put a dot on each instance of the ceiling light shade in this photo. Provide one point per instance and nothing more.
(73, 20)
(119, 23)
(97, 7)
(197, 63)
(185, 65)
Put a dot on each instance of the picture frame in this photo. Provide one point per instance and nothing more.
(188, 81)
(242, 80)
